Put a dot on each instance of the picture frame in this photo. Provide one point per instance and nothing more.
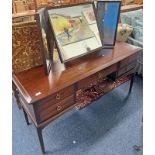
(107, 13)
(76, 33)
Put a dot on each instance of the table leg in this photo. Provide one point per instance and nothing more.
(39, 132)
(15, 93)
(131, 83)
(26, 117)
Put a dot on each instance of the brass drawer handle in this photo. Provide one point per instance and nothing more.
(59, 108)
(114, 85)
(58, 96)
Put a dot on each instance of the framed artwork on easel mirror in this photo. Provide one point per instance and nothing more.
(75, 30)
(107, 13)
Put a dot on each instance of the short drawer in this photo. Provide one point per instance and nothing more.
(131, 65)
(103, 73)
(93, 79)
(127, 68)
(56, 97)
(122, 71)
(88, 82)
(128, 60)
(133, 58)
(124, 62)
(55, 109)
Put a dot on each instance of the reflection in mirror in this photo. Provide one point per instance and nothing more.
(75, 30)
(107, 19)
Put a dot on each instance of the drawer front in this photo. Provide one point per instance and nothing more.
(55, 109)
(102, 74)
(127, 68)
(88, 82)
(128, 60)
(57, 97)
(93, 79)
(122, 71)
(131, 65)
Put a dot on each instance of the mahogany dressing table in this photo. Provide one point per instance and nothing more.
(44, 98)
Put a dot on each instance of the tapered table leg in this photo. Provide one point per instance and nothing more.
(39, 132)
(131, 83)
(26, 117)
(15, 93)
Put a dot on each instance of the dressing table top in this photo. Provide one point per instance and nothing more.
(34, 85)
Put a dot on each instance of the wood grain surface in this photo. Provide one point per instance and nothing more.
(35, 85)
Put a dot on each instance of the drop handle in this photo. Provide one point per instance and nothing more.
(59, 107)
(58, 96)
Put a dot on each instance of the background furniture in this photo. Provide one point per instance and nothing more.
(19, 6)
(135, 19)
(132, 7)
(23, 5)
(129, 2)
(25, 46)
(44, 98)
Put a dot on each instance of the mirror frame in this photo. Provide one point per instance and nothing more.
(100, 26)
(47, 67)
(43, 23)
(56, 42)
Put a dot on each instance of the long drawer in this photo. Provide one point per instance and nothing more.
(93, 79)
(54, 109)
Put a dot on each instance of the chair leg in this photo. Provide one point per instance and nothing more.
(26, 117)
(131, 83)
(40, 137)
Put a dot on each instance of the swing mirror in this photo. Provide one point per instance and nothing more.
(75, 30)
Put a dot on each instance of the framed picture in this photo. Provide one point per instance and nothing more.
(75, 30)
(107, 18)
